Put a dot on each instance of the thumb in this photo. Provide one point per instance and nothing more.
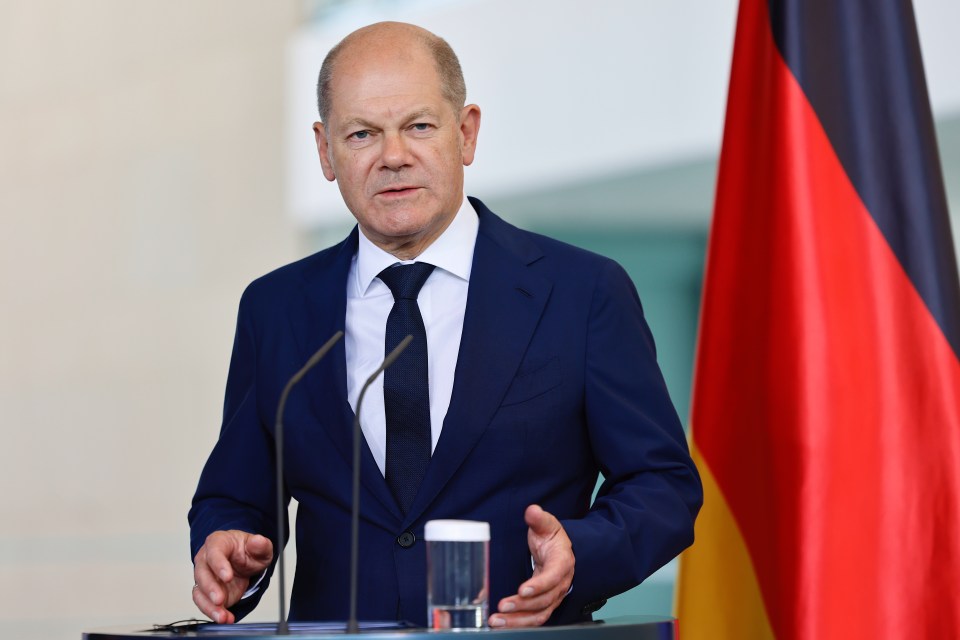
(541, 523)
(259, 550)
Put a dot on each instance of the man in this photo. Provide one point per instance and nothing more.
(538, 371)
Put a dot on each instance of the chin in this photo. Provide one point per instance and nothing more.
(394, 231)
(403, 222)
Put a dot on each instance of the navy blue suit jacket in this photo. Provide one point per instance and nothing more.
(556, 381)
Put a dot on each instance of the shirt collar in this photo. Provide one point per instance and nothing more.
(447, 252)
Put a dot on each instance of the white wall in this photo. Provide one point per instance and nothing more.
(937, 22)
(571, 89)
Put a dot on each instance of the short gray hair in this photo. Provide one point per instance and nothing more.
(452, 85)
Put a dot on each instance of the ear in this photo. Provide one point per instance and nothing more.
(469, 128)
(323, 148)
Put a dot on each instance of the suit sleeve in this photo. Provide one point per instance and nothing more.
(644, 511)
(237, 488)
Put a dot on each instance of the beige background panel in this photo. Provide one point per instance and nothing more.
(141, 188)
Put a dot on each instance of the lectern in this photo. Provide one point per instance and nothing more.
(619, 628)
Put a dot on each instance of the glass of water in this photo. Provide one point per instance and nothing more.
(458, 567)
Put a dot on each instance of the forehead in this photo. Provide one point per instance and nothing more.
(371, 78)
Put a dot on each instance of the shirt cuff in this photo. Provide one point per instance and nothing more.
(255, 587)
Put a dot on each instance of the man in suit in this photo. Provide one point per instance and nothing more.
(537, 373)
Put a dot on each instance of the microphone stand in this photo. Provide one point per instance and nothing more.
(282, 627)
(352, 625)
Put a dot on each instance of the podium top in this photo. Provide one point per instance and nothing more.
(618, 628)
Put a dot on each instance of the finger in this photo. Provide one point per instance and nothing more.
(260, 548)
(557, 568)
(556, 571)
(207, 583)
(257, 554)
(514, 620)
(548, 577)
(209, 609)
(541, 523)
(219, 548)
(529, 601)
(205, 605)
(547, 600)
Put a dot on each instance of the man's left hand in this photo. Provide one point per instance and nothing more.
(553, 561)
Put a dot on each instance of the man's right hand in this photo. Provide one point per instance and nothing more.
(222, 570)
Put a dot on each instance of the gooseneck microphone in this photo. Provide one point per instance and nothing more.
(352, 626)
(282, 628)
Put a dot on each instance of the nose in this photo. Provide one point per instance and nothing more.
(394, 154)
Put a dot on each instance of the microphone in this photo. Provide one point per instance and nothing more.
(352, 626)
(282, 628)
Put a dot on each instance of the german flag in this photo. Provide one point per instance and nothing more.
(826, 404)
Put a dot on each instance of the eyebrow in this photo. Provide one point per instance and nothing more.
(358, 122)
(366, 124)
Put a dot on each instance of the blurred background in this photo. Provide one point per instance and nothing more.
(156, 156)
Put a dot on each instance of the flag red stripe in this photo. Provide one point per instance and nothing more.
(827, 399)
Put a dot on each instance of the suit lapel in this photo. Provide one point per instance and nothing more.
(504, 305)
(325, 301)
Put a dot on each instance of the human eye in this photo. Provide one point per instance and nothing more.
(421, 127)
(359, 135)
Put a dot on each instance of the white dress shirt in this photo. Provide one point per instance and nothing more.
(442, 300)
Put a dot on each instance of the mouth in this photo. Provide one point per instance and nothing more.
(398, 191)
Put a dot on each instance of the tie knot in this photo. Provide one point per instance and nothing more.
(405, 280)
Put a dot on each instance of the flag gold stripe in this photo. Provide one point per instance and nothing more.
(718, 594)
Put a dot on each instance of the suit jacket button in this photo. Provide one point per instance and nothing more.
(406, 539)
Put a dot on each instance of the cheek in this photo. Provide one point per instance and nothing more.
(439, 163)
(352, 176)
(350, 164)
(448, 172)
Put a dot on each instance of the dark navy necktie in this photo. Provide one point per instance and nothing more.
(406, 392)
